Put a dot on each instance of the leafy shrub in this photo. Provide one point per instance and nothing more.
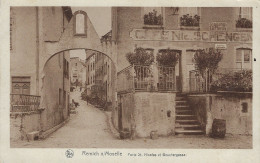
(152, 19)
(190, 21)
(167, 57)
(207, 60)
(240, 81)
(140, 57)
(243, 23)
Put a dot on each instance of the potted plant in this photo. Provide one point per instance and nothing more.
(207, 62)
(141, 60)
(167, 58)
(152, 19)
(243, 23)
(190, 21)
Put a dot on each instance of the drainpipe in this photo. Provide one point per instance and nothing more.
(37, 51)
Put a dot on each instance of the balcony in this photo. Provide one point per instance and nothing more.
(24, 103)
(146, 78)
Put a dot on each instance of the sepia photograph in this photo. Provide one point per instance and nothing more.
(131, 77)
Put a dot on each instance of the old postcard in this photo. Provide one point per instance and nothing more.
(117, 81)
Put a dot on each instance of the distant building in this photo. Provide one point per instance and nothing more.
(78, 72)
(90, 70)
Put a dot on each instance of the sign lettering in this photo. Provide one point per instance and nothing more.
(186, 35)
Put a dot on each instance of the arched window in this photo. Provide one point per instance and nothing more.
(80, 23)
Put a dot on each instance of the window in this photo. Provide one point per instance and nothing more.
(66, 68)
(21, 85)
(80, 23)
(153, 16)
(12, 27)
(64, 99)
(245, 12)
(243, 58)
(189, 17)
(244, 17)
(190, 57)
(60, 97)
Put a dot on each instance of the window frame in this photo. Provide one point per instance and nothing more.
(181, 13)
(85, 23)
(242, 61)
(145, 26)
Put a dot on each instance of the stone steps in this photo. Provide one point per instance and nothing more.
(186, 122)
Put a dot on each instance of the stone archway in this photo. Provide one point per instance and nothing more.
(69, 40)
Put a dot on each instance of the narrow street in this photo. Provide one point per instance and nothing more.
(88, 129)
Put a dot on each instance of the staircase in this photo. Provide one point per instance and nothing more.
(186, 122)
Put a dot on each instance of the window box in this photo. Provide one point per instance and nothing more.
(243, 23)
(152, 18)
(190, 21)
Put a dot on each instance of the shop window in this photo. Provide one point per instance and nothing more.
(244, 18)
(21, 85)
(243, 58)
(189, 17)
(153, 16)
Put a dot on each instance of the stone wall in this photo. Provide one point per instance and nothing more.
(22, 123)
(146, 112)
(228, 106)
(154, 111)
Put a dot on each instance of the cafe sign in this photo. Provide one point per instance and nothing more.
(188, 35)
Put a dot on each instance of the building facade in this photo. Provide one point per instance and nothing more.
(143, 105)
(78, 72)
(31, 28)
(90, 72)
(184, 30)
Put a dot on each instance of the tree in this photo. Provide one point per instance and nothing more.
(207, 62)
(140, 57)
(167, 57)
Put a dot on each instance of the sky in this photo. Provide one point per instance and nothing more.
(101, 20)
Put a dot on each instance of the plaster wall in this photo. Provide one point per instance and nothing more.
(228, 107)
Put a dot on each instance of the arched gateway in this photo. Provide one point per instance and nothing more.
(75, 36)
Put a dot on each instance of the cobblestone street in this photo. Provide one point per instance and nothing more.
(88, 129)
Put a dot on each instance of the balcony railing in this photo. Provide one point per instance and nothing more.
(199, 84)
(24, 103)
(167, 78)
(146, 78)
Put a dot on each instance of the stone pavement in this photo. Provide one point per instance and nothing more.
(92, 128)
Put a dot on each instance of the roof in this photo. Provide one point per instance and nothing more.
(107, 37)
(68, 12)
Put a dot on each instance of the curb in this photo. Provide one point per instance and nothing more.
(110, 125)
(45, 134)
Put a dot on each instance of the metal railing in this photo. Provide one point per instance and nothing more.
(125, 79)
(24, 103)
(139, 77)
(142, 76)
(199, 84)
(167, 80)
